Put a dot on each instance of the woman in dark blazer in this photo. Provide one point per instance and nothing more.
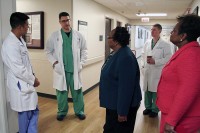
(120, 91)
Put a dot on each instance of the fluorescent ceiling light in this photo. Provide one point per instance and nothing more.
(151, 14)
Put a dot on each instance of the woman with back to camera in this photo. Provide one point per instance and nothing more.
(179, 86)
(119, 86)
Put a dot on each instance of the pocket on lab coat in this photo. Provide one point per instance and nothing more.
(142, 69)
(58, 81)
(25, 87)
(78, 61)
(58, 69)
(158, 53)
(25, 58)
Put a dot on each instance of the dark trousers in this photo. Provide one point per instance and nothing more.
(113, 126)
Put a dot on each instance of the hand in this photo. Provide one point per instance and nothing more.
(150, 61)
(169, 129)
(56, 62)
(122, 118)
(36, 83)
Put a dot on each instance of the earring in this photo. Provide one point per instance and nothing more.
(181, 40)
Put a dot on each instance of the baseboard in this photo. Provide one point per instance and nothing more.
(91, 88)
(69, 99)
(46, 95)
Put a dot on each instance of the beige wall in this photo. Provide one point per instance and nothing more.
(85, 10)
(94, 14)
(41, 66)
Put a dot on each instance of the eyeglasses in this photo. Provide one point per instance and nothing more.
(64, 21)
(109, 37)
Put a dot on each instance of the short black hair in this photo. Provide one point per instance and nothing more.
(121, 36)
(158, 26)
(189, 24)
(18, 18)
(63, 14)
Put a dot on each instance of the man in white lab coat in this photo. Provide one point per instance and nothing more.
(67, 52)
(155, 55)
(20, 77)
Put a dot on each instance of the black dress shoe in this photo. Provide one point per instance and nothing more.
(81, 116)
(60, 117)
(153, 114)
(146, 112)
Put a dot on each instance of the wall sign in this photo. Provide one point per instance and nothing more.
(82, 28)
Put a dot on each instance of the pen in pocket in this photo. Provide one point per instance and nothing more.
(19, 86)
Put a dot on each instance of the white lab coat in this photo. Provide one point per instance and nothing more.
(54, 53)
(20, 78)
(161, 53)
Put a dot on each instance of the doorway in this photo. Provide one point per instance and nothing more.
(107, 31)
(119, 24)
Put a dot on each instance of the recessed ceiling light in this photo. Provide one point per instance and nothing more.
(151, 14)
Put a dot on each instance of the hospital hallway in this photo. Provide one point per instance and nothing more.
(93, 20)
(95, 116)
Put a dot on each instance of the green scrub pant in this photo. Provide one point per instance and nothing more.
(77, 96)
(150, 101)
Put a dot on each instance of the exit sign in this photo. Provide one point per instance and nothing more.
(145, 20)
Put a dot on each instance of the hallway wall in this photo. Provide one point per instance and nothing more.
(41, 66)
(8, 118)
(94, 14)
(84, 10)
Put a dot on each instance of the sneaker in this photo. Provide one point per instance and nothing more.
(81, 116)
(146, 112)
(60, 117)
(153, 114)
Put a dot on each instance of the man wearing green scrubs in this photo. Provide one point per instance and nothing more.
(67, 52)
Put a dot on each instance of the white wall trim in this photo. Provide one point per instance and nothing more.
(94, 60)
(6, 117)
(3, 114)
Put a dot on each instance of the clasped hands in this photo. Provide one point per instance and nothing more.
(169, 129)
(122, 118)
